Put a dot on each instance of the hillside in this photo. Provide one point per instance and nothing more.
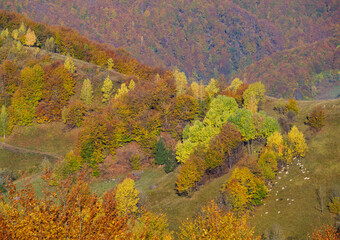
(138, 151)
(310, 71)
(203, 38)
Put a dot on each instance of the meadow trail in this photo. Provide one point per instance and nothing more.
(25, 150)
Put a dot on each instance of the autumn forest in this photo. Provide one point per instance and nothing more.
(169, 120)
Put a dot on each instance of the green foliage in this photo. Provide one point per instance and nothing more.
(70, 165)
(242, 119)
(127, 197)
(334, 205)
(86, 94)
(220, 110)
(268, 127)
(161, 152)
(3, 121)
(254, 95)
(212, 89)
(171, 162)
(107, 89)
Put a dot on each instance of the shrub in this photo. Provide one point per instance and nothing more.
(135, 162)
(316, 119)
(334, 205)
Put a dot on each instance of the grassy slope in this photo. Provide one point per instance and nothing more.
(164, 199)
(322, 161)
(44, 137)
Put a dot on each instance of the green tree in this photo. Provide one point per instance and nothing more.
(243, 120)
(254, 95)
(107, 89)
(161, 154)
(3, 121)
(212, 89)
(170, 163)
(86, 94)
(220, 110)
(127, 197)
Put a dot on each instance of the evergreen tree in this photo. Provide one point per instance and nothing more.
(86, 92)
(3, 121)
(171, 162)
(161, 152)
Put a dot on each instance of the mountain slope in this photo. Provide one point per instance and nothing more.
(204, 38)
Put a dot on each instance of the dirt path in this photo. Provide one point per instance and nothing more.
(25, 150)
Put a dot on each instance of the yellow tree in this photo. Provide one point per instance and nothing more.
(30, 38)
(69, 65)
(235, 84)
(107, 89)
(110, 64)
(213, 223)
(122, 91)
(297, 142)
(181, 82)
(275, 142)
(86, 92)
(127, 197)
(212, 89)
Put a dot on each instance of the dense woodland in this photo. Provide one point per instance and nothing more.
(146, 117)
(211, 39)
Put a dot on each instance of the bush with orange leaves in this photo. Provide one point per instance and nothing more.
(326, 233)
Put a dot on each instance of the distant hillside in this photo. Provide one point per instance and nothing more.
(205, 39)
(303, 72)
